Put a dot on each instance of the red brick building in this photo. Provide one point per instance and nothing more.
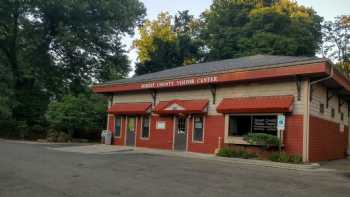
(204, 107)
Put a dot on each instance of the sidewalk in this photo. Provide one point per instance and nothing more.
(342, 165)
(302, 167)
(107, 149)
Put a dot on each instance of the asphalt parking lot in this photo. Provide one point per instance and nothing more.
(38, 170)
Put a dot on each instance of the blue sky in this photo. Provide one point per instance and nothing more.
(325, 8)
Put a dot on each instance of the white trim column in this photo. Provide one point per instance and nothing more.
(306, 119)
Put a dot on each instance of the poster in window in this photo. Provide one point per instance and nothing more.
(264, 124)
(198, 125)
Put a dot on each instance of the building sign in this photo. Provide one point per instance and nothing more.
(281, 122)
(180, 82)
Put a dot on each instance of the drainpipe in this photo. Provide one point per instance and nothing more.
(307, 92)
(325, 78)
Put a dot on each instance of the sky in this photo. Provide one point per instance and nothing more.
(325, 8)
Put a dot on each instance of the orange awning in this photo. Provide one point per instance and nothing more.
(263, 104)
(130, 108)
(182, 106)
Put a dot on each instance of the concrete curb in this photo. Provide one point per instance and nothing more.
(300, 167)
(271, 164)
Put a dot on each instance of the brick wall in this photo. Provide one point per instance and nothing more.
(326, 140)
(213, 129)
(293, 135)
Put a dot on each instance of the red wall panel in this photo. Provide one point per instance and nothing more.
(326, 140)
(293, 135)
(213, 129)
(162, 139)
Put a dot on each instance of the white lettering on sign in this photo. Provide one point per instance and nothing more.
(182, 82)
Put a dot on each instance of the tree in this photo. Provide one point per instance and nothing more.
(187, 32)
(235, 28)
(78, 113)
(336, 41)
(167, 42)
(49, 48)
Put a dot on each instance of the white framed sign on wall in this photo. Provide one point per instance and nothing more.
(160, 124)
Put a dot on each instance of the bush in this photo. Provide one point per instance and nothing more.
(58, 136)
(63, 137)
(285, 158)
(262, 139)
(295, 159)
(227, 152)
(82, 116)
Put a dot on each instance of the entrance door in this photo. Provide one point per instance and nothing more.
(130, 131)
(180, 134)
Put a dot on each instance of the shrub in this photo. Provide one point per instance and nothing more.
(54, 135)
(295, 159)
(227, 152)
(279, 157)
(262, 139)
(63, 137)
(247, 155)
(78, 114)
(275, 157)
(285, 158)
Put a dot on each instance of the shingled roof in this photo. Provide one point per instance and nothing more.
(249, 62)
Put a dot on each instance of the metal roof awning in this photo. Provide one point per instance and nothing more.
(130, 108)
(182, 107)
(262, 104)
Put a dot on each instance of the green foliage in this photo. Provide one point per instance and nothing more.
(49, 48)
(285, 158)
(58, 136)
(295, 159)
(234, 28)
(228, 152)
(167, 42)
(336, 36)
(20, 129)
(262, 139)
(78, 113)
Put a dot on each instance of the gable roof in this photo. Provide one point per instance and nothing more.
(249, 62)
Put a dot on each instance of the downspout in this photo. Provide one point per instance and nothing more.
(109, 104)
(323, 79)
(306, 119)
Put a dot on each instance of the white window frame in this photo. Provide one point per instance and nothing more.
(239, 139)
(203, 129)
(149, 128)
(120, 130)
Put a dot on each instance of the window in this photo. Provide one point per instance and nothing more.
(333, 112)
(145, 127)
(342, 116)
(198, 129)
(321, 108)
(242, 125)
(118, 121)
